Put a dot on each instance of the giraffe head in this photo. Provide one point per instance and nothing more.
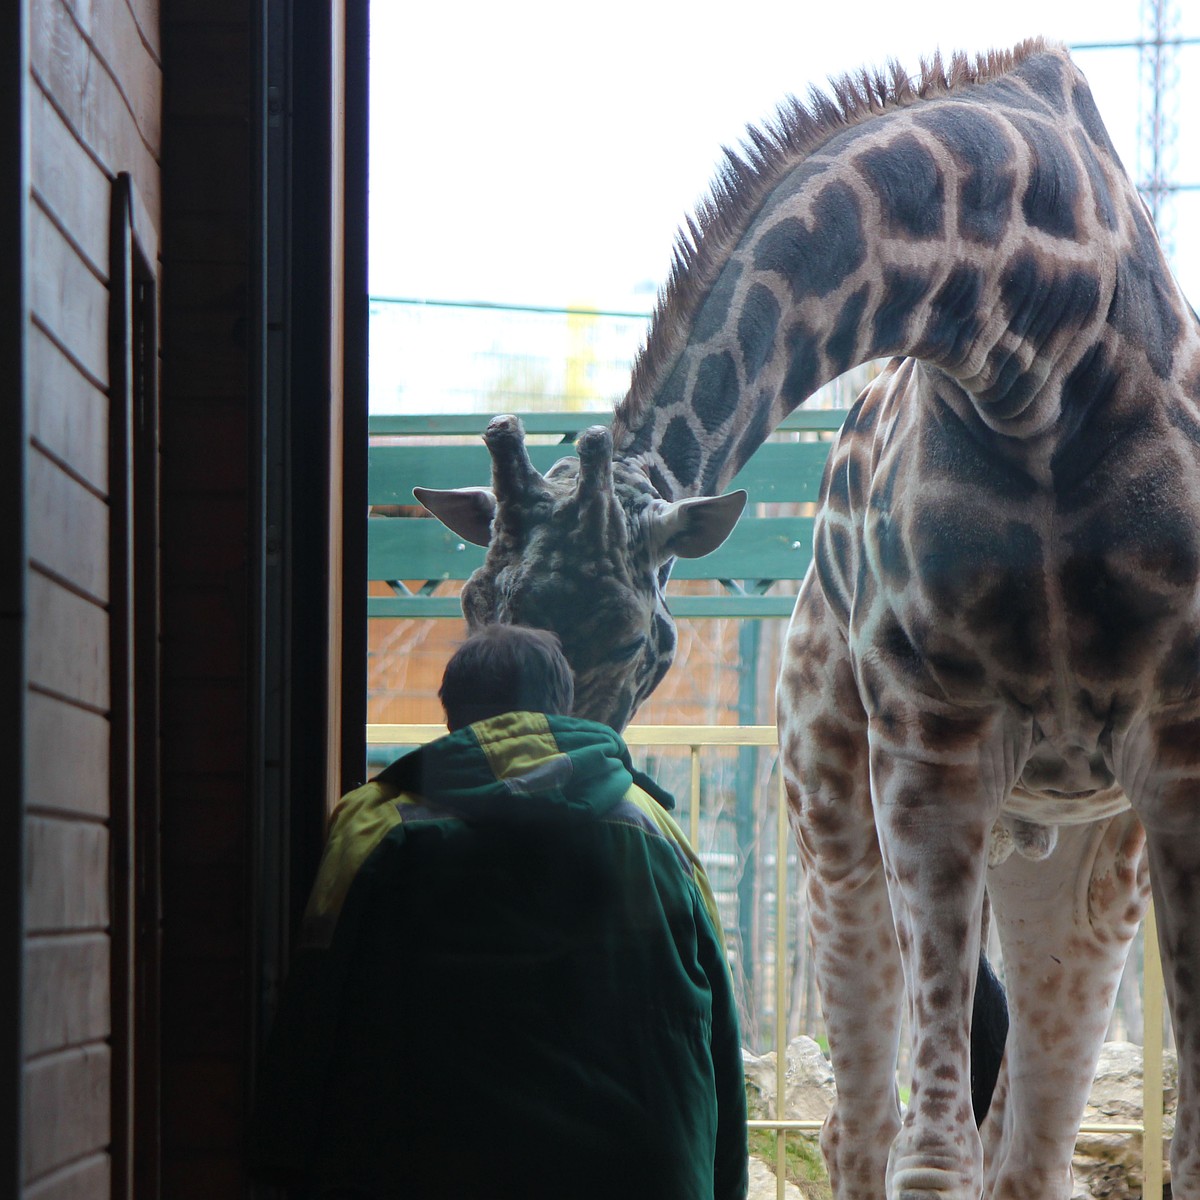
(584, 551)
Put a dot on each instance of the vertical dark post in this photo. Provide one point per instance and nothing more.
(123, 862)
(309, 700)
(14, 192)
(749, 638)
(135, 711)
(354, 396)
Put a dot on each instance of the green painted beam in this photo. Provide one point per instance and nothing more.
(681, 606)
(758, 548)
(566, 424)
(779, 472)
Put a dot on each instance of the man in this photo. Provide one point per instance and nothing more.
(512, 980)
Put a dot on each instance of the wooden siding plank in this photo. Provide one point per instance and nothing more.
(68, 298)
(67, 178)
(67, 757)
(66, 1108)
(68, 527)
(64, 66)
(66, 991)
(87, 1179)
(112, 33)
(68, 414)
(149, 23)
(66, 875)
(68, 648)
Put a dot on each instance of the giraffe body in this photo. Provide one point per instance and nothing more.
(992, 675)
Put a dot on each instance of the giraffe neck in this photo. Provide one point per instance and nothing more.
(982, 224)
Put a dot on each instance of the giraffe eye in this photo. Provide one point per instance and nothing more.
(626, 652)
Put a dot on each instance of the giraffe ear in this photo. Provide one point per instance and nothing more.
(465, 511)
(694, 527)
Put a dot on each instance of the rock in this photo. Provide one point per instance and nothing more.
(809, 1094)
(763, 1185)
(809, 1089)
(1109, 1166)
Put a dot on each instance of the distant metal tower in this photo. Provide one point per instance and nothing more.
(1158, 131)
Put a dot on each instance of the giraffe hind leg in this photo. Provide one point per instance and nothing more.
(1066, 923)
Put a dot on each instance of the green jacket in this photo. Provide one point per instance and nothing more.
(512, 983)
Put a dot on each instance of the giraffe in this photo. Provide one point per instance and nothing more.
(991, 682)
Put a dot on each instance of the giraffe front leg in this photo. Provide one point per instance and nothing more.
(859, 979)
(823, 744)
(1066, 921)
(933, 820)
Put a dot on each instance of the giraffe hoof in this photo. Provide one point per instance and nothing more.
(922, 1182)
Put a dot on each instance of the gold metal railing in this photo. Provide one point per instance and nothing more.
(698, 737)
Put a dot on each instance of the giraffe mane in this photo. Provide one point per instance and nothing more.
(747, 176)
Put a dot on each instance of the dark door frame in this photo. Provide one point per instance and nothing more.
(14, 196)
(135, 710)
(310, 384)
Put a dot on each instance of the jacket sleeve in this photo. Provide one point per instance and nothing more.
(731, 1169)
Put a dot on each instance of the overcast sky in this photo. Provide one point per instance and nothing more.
(537, 152)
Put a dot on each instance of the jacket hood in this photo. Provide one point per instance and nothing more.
(520, 767)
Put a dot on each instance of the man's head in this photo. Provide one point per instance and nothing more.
(506, 668)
